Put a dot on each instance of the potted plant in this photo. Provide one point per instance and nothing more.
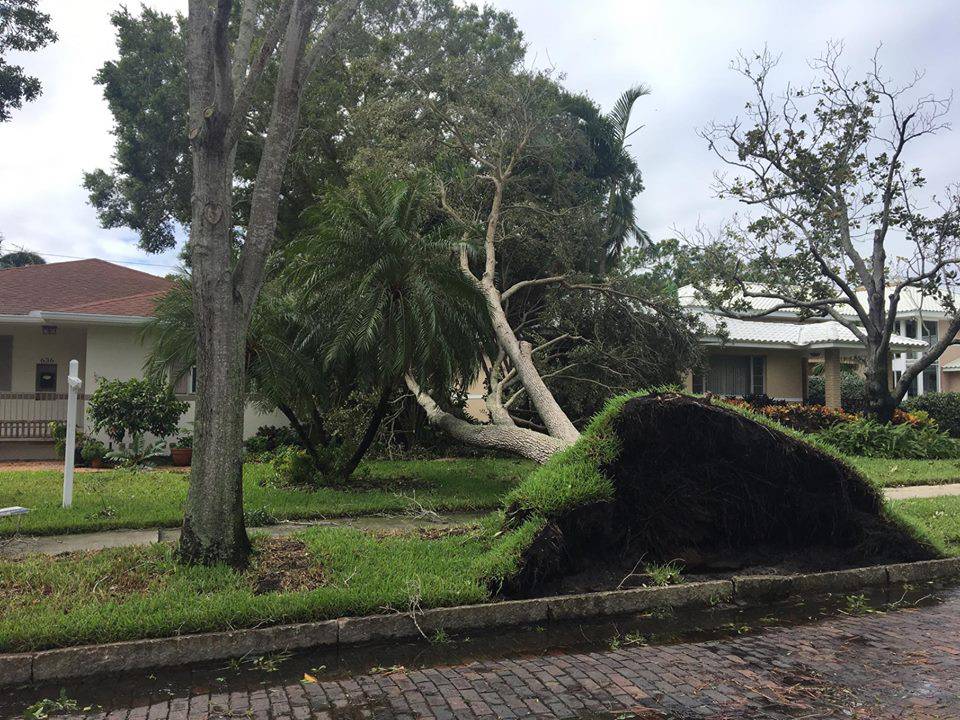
(93, 452)
(181, 450)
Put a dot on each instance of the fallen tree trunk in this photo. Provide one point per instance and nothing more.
(507, 437)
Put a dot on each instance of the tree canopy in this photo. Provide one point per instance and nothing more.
(24, 28)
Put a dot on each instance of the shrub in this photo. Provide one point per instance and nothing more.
(135, 407)
(92, 450)
(293, 466)
(942, 407)
(872, 439)
(853, 391)
(269, 438)
(184, 440)
(807, 418)
(58, 433)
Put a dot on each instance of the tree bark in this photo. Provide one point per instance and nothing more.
(220, 91)
(880, 401)
(213, 529)
(519, 441)
(379, 413)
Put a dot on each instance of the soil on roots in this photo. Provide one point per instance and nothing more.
(706, 486)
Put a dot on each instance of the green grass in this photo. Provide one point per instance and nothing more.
(900, 473)
(118, 499)
(938, 516)
(141, 592)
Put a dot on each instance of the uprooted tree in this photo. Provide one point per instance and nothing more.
(504, 150)
(826, 168)
(665, 477)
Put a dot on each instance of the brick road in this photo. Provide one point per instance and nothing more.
(903, 664)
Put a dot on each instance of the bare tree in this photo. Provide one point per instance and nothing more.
(825, 168)
(223, 77)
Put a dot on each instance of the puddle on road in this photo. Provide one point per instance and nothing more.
(144, 688)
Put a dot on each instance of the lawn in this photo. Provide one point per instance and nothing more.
(141, 592)
(121, 499)
(899, 473)
(939, 516)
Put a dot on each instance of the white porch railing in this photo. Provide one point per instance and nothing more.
(27, 416)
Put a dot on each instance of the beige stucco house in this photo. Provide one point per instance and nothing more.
(88, 310)
(772, 355)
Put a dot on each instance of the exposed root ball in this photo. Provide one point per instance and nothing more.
(696, 480)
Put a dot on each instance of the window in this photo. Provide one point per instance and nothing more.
(930, 334)
(930, 379)
(737, 375)
(6, 362)
(758, 379)
(46, 377)
(910, 330)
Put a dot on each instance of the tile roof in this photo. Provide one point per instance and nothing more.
(793, 334)
(94, 287)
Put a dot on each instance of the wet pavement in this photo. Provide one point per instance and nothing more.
(887, 655)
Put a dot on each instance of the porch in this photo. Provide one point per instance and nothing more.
(27, 416)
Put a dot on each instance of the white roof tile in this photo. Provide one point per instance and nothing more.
(792, 334)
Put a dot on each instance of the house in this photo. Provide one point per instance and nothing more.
(88, 310)
(772, 354)
(922, 317)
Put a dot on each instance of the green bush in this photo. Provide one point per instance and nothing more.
(58, 433)
(293, 466)
(269, 438)
(942, 407)
(135, 407)
(869, 438)
(853, 391)
(92, 450)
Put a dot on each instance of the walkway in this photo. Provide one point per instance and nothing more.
(901, 664)
(922, 491)
(20, 546)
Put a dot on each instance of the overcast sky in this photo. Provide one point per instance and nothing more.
(682, 50)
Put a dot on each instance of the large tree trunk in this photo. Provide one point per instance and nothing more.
(520, 354)
(509, 438)
(213, 529)
(880, 401)
(224, 290)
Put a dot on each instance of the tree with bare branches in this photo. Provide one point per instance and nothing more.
(290, 38)
(841, 228)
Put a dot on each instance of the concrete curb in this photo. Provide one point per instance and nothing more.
(88, 660)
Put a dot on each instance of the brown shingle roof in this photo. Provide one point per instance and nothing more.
(95, 287)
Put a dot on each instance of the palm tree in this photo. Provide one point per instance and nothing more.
(402, 306)
(624, 180)
(282, 371)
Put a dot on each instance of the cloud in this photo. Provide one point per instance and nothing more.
(682, 49)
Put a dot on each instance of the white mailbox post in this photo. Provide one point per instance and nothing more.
(74, 383)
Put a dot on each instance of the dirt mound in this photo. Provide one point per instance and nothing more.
(681, 477)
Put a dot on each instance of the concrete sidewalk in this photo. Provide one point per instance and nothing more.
(16, 548)
(921, 491)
